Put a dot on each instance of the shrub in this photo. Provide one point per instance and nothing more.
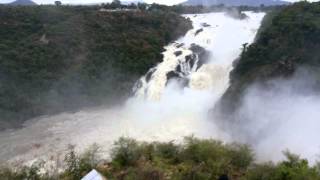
(293, 168)
(195, 159)
(78, 166)
(24, 172)
(126, 152)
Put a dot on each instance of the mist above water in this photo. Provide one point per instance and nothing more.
(282, 114)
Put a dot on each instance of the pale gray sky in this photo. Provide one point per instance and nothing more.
(168, 2)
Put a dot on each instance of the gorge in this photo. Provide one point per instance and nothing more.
(160, 110)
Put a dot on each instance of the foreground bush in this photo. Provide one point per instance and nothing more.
(192, 159)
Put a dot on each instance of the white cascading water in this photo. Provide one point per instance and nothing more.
(161, 110)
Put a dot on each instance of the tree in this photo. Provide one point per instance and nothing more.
(116, 4)
(132, 6)
(58, 3)
(142, 6)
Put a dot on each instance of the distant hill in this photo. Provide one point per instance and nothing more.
(235, 2)
(23, 3)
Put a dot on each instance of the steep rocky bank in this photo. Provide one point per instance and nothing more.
(288, 41)
(55, 59)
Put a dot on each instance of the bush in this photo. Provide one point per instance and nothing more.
(126, 152)
(293, 168)
(193, 159)
(24, 172)
(78, 166)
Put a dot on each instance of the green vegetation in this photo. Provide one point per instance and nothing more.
(288, 39)
(62, 58)
(193, 159)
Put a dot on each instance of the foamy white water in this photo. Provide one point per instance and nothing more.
(168, 112)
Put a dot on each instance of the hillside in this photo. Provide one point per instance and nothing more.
(289, 39)
(23, 3)
(235, 2)
(63, 58)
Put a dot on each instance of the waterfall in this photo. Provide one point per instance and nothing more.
(171, 101)
(203, 58)
(178, 62)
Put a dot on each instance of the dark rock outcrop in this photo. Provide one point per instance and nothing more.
(202, 54)
(149, 74)
(198, 31)
(205, 25)
(194, 61)
(180, 45)
(178, 53)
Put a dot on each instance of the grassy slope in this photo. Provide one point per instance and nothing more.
(60, 58)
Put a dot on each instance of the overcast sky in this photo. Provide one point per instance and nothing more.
(168, 2)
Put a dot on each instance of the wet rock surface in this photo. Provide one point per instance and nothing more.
(205, 25)
(149, 74)
(198, 31)
(178, 53)
(180, 45)
(189, 64)
(202, 54)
